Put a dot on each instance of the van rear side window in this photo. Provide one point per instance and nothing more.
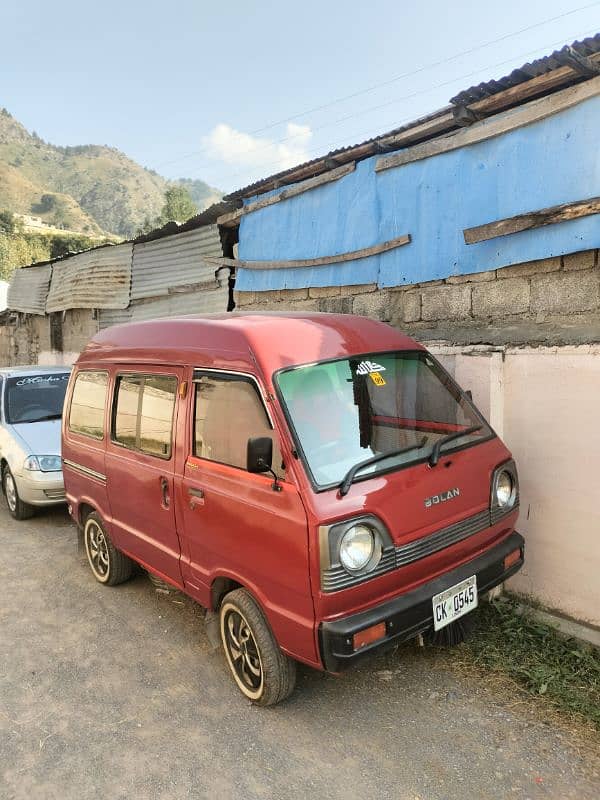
(86, 415)
(143, 413)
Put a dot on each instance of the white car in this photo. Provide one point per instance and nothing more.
(31, 403)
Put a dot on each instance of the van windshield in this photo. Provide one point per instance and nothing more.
(33, 398)
(347, 411)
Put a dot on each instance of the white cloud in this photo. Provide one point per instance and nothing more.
(255, 155)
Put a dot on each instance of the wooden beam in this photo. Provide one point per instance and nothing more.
(365, 252)
(489, 128)
(293, 191)
(581, 64)
(425, 129)
(527, 90)
(533, 219)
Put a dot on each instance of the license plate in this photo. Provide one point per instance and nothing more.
(454, 602)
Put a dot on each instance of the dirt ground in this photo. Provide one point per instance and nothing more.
(116, 693)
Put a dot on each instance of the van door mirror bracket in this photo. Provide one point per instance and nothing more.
(259, 458)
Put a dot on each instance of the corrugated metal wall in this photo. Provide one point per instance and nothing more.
(98, 278)
(174, 261)
(203, 301)
(164, 277)
(29, 288)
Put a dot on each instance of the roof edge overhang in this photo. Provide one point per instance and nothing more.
(566, 67)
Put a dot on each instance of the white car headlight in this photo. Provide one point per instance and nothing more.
(357, 548)
(505, 489)
(43, 463)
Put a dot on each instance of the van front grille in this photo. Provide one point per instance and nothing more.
(336, 577)
(421, 548)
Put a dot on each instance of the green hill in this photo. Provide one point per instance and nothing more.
(91, 189)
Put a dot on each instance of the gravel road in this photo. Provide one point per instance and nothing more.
(116, 693)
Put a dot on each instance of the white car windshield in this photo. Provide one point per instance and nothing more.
(352, 410)
(33, 398)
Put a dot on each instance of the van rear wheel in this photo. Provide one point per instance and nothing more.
(109, 566)
(263, 673)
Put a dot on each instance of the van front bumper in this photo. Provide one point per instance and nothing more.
(412, 613)
(41, 488)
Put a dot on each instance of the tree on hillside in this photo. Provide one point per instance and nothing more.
(9, 224)
(178, 206)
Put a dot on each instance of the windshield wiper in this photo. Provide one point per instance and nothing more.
(349, 476)
(435, 453)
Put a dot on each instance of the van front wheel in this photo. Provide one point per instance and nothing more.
(263, 673)
(109, 566)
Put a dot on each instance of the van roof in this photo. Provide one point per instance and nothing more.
(241, 340)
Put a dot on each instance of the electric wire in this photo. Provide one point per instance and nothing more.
(395, 79)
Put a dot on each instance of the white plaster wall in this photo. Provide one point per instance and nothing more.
(545, 403)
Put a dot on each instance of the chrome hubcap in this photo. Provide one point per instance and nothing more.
(11, 491)
(97, 549)
(243, 652)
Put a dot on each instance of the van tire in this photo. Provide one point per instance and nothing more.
(18, 508)
(242, 622)
(109, 566)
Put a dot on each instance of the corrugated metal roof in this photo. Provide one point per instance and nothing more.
(172, 261)
(369, 147)
(559, 58)
(207, 217)
(28, 289)
(98, 278)
(175, 305)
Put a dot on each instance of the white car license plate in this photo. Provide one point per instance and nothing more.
(454, 602)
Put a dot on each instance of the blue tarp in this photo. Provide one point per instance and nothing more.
(553, 161)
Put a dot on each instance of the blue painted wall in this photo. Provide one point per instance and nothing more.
(556, 160)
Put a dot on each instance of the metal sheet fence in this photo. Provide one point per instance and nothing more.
(28, 289)
(99, 278)
(174, 261)
(204, 301)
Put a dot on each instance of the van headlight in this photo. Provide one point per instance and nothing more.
(357, 548)
(43, 463)
(354, 550)
(505, 486)
(505, 489)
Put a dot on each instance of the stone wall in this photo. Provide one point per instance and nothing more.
(79, 325)
(23, 340)
(48, 340)
(553, 301)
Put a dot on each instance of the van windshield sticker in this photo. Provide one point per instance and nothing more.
(366, 367)
(377, 378)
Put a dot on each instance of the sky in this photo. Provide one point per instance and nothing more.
(233, 92)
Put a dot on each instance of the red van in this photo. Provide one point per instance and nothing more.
(318, 482)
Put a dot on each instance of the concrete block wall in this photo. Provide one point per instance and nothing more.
(552, 301)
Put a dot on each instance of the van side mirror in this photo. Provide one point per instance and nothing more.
(259, 454)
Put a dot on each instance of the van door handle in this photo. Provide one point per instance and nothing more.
(196, 497)
(164, 488)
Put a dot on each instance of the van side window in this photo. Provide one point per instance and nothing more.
(86, 415)
(228, 411)
(143, 413)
